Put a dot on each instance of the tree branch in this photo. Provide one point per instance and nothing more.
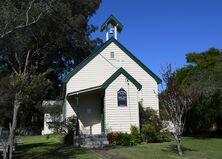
(26, 62)
(27, 23)
(13, 68)
(19, 63)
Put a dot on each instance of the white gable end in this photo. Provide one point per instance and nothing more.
(149, 92)
(95, 73)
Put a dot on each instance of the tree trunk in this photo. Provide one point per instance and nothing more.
(179, 147)
(5, 148)
(13, 127)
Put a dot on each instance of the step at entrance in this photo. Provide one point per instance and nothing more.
(91, 141)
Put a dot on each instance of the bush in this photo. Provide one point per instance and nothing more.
(149, 132)
(68, 127)
(124, 139)
(112, 137)
(164, 137)
(136, 136)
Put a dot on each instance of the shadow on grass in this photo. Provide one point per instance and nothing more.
(47, 151)
(204, 137)
(173, 149)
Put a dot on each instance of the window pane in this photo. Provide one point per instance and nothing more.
(112, 55)
(122, 97)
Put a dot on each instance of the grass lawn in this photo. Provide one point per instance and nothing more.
(194, 148)
(38, 147)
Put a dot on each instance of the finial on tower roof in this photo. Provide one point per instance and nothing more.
(112, 26)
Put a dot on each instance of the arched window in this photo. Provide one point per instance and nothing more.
(122, 98)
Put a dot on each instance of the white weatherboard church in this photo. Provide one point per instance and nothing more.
(105, 90)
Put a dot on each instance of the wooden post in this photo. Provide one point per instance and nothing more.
(77, 114)
(102, 116)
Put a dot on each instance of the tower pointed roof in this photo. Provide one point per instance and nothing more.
(112, 20)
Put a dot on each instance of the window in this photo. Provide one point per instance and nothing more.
(112, 55)
(122, 98)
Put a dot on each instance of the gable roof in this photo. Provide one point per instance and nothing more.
(116, 74)
(112, 20)
(100, 49)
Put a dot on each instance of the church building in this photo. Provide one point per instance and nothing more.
(106, 89)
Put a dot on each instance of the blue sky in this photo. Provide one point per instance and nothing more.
(159, 32)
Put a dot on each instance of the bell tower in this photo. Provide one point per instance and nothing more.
(112, 27)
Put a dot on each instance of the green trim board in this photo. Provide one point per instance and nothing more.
(86, 61)
(135, 59)
(126, 74)
(112, 20)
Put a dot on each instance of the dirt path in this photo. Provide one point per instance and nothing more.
(106, 154)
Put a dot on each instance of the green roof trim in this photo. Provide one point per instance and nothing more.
(116, 74)
(86, 61)
(100, 49)
(134, 58)
(112, 20)
(94, 54)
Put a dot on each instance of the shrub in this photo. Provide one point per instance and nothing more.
(136, 136)
(164, 137)
(149, 132)
(124, 139)
(69, 128)
(112, 137)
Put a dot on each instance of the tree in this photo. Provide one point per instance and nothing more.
(203, 76)
(60, 37)
(176, 102)
(36, 36)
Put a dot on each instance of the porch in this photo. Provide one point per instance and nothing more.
(88, 106)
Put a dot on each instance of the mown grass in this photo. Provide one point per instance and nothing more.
(39, 147)
(194, 148)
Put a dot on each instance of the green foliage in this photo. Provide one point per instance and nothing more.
(149, 132)
(152, 135)
(124, 139)
(59, 40)
(135, 133)
(69, 128)
(6, 96)
(164, 137)
(203, 76)
(150, 127)
(149, 115)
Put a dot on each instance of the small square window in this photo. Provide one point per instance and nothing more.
(112, 55)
